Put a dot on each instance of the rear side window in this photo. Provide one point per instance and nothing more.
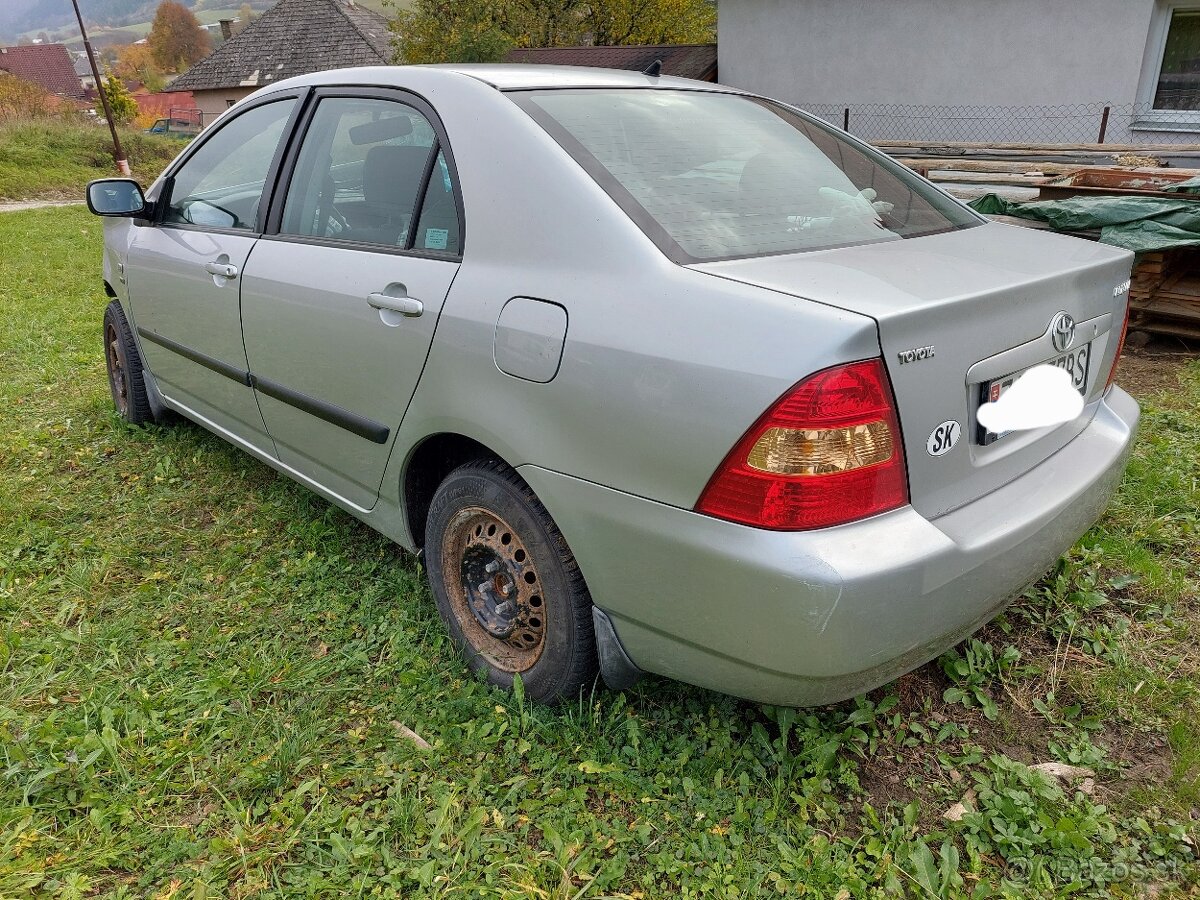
(437, 229)
(719, 176)
(221, 184)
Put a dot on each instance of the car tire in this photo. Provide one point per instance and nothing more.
(124, 364)
(507, 585)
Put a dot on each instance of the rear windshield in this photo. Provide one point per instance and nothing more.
(719, 176)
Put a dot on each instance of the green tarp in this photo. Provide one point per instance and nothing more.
(1140, 224)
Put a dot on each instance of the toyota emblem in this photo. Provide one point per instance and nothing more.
(1062, 331)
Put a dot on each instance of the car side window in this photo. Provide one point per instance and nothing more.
(220, 185)
(438, 227)
(359, 172)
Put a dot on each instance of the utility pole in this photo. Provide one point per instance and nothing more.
(118, 153)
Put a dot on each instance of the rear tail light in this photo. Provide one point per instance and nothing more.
(827, 452)
(1112, 373)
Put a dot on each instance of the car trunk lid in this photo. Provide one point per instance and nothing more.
(956, 311)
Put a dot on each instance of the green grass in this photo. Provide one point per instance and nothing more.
(203, 671)
(52, 159)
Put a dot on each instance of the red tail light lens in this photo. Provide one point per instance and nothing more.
(827, 452)
(1112, 373)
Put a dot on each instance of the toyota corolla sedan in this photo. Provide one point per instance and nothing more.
(658, 375)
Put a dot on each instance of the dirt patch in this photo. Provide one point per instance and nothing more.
(1148, 370)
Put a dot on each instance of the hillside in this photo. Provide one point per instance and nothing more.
(28, 17)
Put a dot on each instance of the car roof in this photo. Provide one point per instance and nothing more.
(509, 77)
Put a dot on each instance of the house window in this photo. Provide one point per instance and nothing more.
(1178, 84)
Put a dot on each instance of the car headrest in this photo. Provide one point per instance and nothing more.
(392, 176)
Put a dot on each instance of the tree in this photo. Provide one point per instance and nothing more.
(176, 39)
(617, 22)
(135, 62)
(245, 17)
(120, 102)
(484, 30)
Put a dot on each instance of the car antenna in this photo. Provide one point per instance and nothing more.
(654, 69)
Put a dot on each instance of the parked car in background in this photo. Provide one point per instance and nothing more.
(659, 376)
(181, 123)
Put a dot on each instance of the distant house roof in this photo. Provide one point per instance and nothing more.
(697, 61)
(47, 65)
(294, 37)
(83, 68)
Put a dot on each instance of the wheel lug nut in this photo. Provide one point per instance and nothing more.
(507, 589)
(506, 608)
(492, 568)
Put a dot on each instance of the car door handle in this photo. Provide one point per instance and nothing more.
(406, 306)
(224, 270)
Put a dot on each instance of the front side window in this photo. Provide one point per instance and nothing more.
(719, 176)
(1179, 76)
(360, 172)
(221, 184)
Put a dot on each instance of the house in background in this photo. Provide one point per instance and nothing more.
(83, 71)
(47, 65)
(931, 69)
(294, 37)
(698, 61)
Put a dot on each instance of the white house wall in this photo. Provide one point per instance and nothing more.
(936, 52)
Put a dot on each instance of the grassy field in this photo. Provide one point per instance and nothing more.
(53, 160)
(210, 679)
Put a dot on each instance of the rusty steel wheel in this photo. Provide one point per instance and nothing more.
(494, 590)
(118, 379)
(124, 365)
(507, 585)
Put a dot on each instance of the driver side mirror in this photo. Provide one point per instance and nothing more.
(116, 197)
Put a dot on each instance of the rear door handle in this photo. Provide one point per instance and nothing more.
(406, 306)
(223, 270)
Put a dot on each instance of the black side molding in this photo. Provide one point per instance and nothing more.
(366, 428)
(360, 425)
(209, 362)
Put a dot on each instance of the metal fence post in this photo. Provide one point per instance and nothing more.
(846, 119)
(1104, 124)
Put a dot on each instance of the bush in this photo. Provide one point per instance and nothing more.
(20, 99)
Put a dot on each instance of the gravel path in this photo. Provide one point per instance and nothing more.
(37, 204)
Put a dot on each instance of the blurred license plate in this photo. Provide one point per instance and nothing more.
(1075, 362)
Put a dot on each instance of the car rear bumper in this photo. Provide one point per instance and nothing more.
(806, 618)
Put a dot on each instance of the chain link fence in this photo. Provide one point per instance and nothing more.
(1081, 123)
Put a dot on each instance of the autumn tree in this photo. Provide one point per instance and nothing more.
(135, 62)
(245, 17)
(176, 39)
(20, 99)
(484, 30)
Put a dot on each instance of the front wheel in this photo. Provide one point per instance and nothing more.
(124, 365)
(507, 585)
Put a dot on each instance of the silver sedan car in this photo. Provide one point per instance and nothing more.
(659, 376)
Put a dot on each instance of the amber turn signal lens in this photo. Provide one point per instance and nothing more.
(794, 451)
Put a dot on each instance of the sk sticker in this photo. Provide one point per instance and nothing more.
(943, 439)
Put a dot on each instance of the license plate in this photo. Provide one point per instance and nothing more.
(1076, 363)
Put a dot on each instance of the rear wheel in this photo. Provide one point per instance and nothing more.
(507, 585)
(125, 368)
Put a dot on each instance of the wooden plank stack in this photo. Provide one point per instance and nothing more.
(1164, 296)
